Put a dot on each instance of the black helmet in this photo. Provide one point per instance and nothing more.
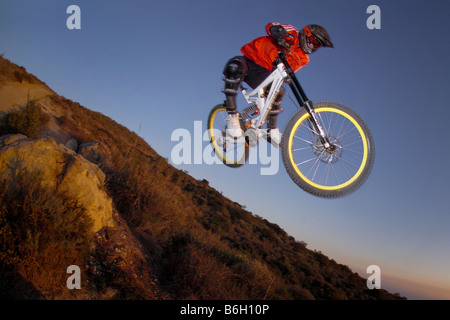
(313, 37)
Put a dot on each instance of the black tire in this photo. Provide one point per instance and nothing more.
(216, 130)
(326, 173)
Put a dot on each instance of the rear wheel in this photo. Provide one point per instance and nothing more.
(231, 151)
(328, 172)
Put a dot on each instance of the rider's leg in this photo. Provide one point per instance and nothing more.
(234, 72)
(256, 74)
(273, 134)
(276, 110)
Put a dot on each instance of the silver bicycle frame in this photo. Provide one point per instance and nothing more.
(257, 96)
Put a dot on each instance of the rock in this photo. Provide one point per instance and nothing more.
(72, 144)
(11, 138)
(62, 169)
(91, 151)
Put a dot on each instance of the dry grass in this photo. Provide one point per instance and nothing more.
(41, 233)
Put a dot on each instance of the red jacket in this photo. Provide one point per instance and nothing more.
(264, 50)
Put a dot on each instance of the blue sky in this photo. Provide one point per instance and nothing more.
(156, 66)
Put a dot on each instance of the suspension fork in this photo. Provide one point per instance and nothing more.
(316, 125)
(300, 95)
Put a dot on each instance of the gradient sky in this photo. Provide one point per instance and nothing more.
(156, 66)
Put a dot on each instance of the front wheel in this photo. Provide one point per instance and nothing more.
(328, 172)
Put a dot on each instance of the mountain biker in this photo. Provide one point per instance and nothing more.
(259, 60)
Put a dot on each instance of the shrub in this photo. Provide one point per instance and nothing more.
(41, 234)
(27, 121)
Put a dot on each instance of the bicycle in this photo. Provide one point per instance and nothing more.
(327, 149)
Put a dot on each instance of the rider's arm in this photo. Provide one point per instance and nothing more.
(295, 56)
(299, 57)
(284, 35)
(276, 31)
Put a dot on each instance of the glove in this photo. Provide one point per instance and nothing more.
(280, 34)
(283, 43)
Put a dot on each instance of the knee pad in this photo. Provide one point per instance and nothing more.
(235, 69)
(234, 72)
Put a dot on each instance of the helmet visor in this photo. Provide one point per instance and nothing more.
(313, 42)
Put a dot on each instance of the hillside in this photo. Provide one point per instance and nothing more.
(166, 236)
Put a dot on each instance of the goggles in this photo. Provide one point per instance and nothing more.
(312, 40)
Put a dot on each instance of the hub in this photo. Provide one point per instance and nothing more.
(330, 153)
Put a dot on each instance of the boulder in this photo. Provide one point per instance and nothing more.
(62, 169)
(72, 144)
(92, 151)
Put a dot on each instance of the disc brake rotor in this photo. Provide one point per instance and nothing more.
(328, 155)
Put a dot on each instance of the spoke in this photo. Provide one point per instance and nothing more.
(327, 175)
(349, 130)
(314, 164)
(340, 129)
(349, 144)
(354, 151)
(318, 165)
(329, 123)
(307, 125)
(349, 163)
(304, 140)
(335, 174)
(300, 149)
(306, 161)
(327, 168)
(341, 161)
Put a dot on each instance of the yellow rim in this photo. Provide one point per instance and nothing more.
(364, 141)
(216, 147)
